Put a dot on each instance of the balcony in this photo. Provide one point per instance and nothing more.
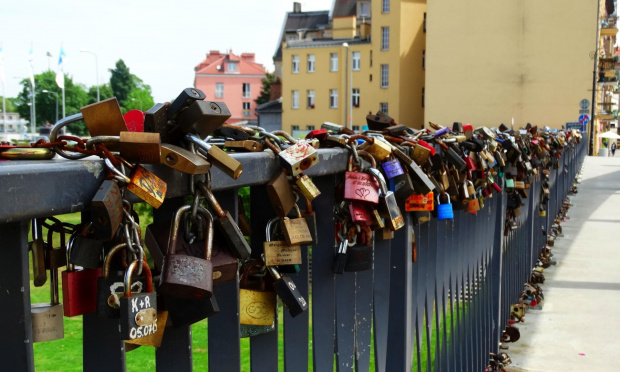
(608, 26)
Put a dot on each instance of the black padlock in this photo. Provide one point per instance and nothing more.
(231, 132)
(185, 311)
(340, 259)
(185, 99)
(138, 310)
(202, 117)
(283, 285)
(86, 252)
(110, 287)
(359, 258)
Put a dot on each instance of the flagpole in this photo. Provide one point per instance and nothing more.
(34, 115)
(63, 99)
(4, 105)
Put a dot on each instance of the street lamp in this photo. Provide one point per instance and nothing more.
(55, 94)
(135, 99)
(96, 69)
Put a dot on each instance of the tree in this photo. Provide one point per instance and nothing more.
(121, 81)
(105, 92)
(265, 90)
(10, 104)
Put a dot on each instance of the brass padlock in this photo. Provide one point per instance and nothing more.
(296, 229)
(278, 252)
(217, 157)
(140, 147)
(280, 194)
(106, 210)
(183, 160)
(104, 118)
(47, 319)
(38, 254)
(375, 146)
(307, 187)
(246, 145)
(257, 306)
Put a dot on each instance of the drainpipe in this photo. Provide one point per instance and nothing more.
(594, 80)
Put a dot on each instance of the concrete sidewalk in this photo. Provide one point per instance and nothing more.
(579, 327)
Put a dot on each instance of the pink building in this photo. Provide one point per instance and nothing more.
(235, 80)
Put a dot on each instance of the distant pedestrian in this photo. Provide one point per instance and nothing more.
(613, 149)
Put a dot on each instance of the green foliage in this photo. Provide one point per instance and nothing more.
(9, 103)
(105, 92)
(45, 103)
(121, 81)
(265, 90)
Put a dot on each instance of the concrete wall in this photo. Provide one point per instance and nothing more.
(489, 61)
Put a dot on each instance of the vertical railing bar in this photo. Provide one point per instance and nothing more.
(345, 321)
(439, 266)
(363, 317)
(419, 268)
(381, 301)
(296, 330)
(429, 290)
(323, 281)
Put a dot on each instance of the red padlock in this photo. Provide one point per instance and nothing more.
(79, 287)
(319, 134)
(134, 120)
(360, 186)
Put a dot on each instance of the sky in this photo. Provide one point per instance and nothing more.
(160, 41)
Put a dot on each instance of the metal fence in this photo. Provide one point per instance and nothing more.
(439, 291)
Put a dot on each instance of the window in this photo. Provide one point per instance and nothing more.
(310, 127)
(246, 108)
(333, 66)
(295, 99)
(333, 98)
(295, 64)
(355, 61)
(383, 106)
(384, 76)
(363, 10)
(371, 58)
(310, 62)
(424, 22)
(385, 38)
(311, 99)
(371, 78)
(246, 90)
(294, 128)
(355, 97)
(385, 6)
(422, 97)
(231, 67)
(424, 60)
(219, 90)
(356, 128)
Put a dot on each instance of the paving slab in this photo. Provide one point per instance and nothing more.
(579, 327)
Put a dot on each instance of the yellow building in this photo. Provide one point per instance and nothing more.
(491, 61)
(369, 58)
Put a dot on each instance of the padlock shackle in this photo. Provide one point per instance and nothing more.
(174, 230)
(129, 272)
(56, 131)
(107, 259)
(273, 147)
(366, 155)
(286, 135)
(268, 228)
(213, 203)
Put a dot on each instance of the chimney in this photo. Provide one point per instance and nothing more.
(249, 57)
(276, 90)
(296, 7)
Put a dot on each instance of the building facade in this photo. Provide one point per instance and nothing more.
(370, 58)
(494, 62)
(233, 79)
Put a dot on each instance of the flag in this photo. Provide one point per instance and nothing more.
(2, 78)
(30, 66)
(60, 71)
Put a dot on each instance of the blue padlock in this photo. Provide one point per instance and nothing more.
(444, 211)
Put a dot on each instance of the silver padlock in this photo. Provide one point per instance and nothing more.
(47, 318)
(299, 157)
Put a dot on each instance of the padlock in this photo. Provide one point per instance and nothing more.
(375, 146)
(38, 254)
(144, 184)
(183, 160)
(280, 194)
(237, 245)
(257, 306)
(134, 120)
(320, 134)
(188, 276)
(106, 210)
(306, 186)
(420, 154)
(299, 157)
(138, 310)
(379, 121)
(388, 206)
(359, 258)
(419, 202)
(183, 100)
(278, 252)
(295, 230)
(340, 258)
(104, 118)
(247, 145)
(360, 186)
(236, 133)
(444, 211)
(86, 251)
(47, 318)
(310, 217)
(217, 157)
(79, 287)
(140, 147)
(360, 213)
(337, 129)
(111, 286)
(392, 168)
(421, 182)
(286, 289)
(202, 117)
(403, 187)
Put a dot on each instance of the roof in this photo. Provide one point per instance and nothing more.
(215, 63)
(307, 21)
(271, 106)
(343, 8)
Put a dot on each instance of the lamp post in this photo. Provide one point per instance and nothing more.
(347, 113)
(96, 69)
(55, 94)
(135, 99)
